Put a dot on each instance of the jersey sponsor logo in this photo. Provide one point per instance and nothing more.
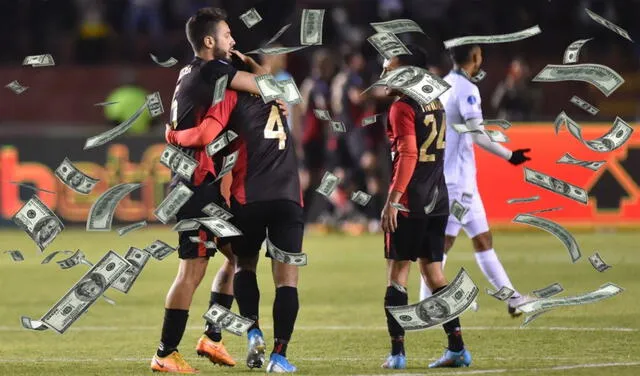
(471, 99)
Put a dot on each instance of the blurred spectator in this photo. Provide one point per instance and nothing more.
(514, 98)
(129, 97)
(91, 46)
(145, 13)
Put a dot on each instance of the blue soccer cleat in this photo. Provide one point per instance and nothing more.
(255, 352)
(395, 362)
(453, 359)
(280, 364)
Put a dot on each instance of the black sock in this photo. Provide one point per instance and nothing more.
(452, 328)
(394, 298)
(245, 287)
(214, 332)
(285, 312)
(175, 322)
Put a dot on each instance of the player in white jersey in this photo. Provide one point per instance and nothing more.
(462, 106)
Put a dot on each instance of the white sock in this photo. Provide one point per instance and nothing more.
(492, 269)
(425, 292)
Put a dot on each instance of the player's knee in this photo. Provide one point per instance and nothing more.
(436, 280)
(285, 275)
(482, 242)
(247, 264)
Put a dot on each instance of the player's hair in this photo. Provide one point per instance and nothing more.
(462, 54)
(418, 57)
(203, 23)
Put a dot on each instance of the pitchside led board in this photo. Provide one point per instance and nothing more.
(614, 190)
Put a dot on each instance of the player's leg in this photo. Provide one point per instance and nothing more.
(451, 232)
(430, 260)
(285, 229)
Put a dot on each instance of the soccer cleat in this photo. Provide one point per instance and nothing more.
(173, 363)
(279, 364)
(215, 351)
(514, 302)
(474, 306)
(453, 359)
(255, 353)
(395, 362)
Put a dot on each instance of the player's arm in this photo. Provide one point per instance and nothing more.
(209, 128)
(246, 81)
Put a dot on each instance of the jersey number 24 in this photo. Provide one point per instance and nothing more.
(430, 121)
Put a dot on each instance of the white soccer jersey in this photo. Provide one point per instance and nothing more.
(461, 103)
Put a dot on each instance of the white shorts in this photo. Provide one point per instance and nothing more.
(474, 221)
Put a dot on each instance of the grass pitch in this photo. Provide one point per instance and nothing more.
(341, 326)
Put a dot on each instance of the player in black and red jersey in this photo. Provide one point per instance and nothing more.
(265, 196)
(417, 137)
(212, 43)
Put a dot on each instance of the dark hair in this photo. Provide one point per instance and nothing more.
(418, 57)
(462, 54)
(203, 23)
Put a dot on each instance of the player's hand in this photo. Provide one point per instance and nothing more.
(519, 157)
(244, 58)
(283, 107)
(389, 218)
(167, 133)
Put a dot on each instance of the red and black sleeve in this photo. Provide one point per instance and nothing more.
(402, 120)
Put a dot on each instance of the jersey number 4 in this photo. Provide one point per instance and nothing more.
(274, 128)
(430, 121)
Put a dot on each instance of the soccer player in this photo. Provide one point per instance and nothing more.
(417, 138)
(265, 198)
(462, 105)
(210, 38)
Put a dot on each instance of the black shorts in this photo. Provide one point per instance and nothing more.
(203, 194)
(416, 238)
(281, 219)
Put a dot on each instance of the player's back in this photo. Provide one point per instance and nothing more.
(461, 103)
(267, 165)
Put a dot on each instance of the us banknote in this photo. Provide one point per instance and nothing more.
(114, 132)
(597, 263)
(570, 159)
(74, 260)
(15, 255)
(478, 76)
(213, 210)
(486, 39)
(496, 136)
(554, 185)
(186, 225)
(503, 294)
(169, 207)
(165, 64)
(584, 105)
(434, 200)
(311, 27)
(219, 227)
(361, 198)
(101, 212)
(291, 258)
(138, 259)
(417, 83)
(227, 320)
(530, 318)
(251, 18)
(328, 184)
(29, 323)
(609, 25)
(617, 135)
(275, 50)
(122, 231)
(219, 143)
(85, 292)
(45, 60)
(16, 87)
(504, 124)
(228, 163)
(154, 104)
(522, 200)
(551, 290)
(178, 161)
(369, 120)
(75, 179)
(53, 254)
(338, 126)
(555, 229)
(31, 187)
(605, 291)
(571, 53)
(458, 210)
(397, 26)
(600, 76)
(218, 90)
(278, 34)
(388, 45)
(39, 222)
(544, 210)
(322, 115)
(159, 250)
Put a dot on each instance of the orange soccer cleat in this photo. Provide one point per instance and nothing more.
(215, 351)
(173, 363)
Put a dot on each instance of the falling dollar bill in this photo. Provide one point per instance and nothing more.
(555, 229)
(290, 92)
(223, 318)
(617, 135)
(297, 259)
(104, 104)
(31, 187)
(361, 198)
(328, 184)
(31, 324)
(432, 204)
(45, 60)
(504, 124)
(465, 128)
(251, 17)
(551, 290)
(544, 210)
(213, 210)
(584, 105)
(169, 207)
(397, 26)
(186, 225)
(503, 294)
(178, 161)
(311, 27)
(388, 45)
(597, 263)
(522, 200)
(37, 220)
(496, 136)
(609, 25)
(85, 292)
(443, 306)
(554, 185)
(101, 212)
(122, 231)
(605, 291)
(159, 250)
(275, 50)
(114, 132)
(154, 104)
(16, 87)
(369, 120)
(591, 165)
(218, 91)
(322, 115)
(530, 318)
(74, 260)
(227, 164)
(75, 179)
(417, 83)
(138, 259)
(269, 89)
(571, 53)
(219, 227)
(478, 76)
(458, 210)
(278, 34)
(165, 64)
(400, 207)
(338, 126)
(218, 144)
(600, 76)
(15, 255)
(53, 254)
(486, 39)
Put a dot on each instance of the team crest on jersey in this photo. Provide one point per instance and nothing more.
(471, 99)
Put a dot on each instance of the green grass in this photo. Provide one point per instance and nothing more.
(341, 326)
